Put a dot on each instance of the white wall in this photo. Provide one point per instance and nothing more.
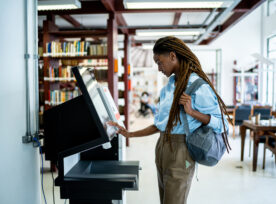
(269, 25)
(269, 30)
(237, 43)
(19, 172)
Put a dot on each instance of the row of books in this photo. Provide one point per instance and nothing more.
(62, 79)
(95, 62)
(57, 97)
(75, 48)
(60, 72)
(100, 74)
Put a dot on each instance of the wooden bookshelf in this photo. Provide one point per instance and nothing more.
(78, 57)
(108, 71)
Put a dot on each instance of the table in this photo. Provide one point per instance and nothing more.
(258, 130)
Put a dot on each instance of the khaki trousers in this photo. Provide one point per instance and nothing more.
(175, 169)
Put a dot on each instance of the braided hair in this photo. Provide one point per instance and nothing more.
(189, 63)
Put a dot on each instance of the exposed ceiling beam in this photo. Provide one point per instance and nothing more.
(121, 22)
(176, 18)
(216, 21)
(110, 6)
(240, 11)
(71, 20)
(80, 33)
(51, 17)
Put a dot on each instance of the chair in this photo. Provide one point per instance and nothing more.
(270, 143)
(241, 113)
(265, 111)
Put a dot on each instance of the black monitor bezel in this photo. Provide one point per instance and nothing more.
(103, 135)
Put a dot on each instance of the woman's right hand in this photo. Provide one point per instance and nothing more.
(121, 130)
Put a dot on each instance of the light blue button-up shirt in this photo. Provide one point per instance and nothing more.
(203, 100)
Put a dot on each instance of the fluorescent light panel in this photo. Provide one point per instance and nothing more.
(58, 5)
(174, 32)
(162, 4)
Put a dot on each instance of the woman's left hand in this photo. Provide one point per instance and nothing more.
(185, 100)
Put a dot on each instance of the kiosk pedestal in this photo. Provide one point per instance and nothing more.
(97, 182)
(78, 127)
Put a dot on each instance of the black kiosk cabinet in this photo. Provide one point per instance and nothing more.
(85, 149)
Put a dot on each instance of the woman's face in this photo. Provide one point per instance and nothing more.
(167, 63)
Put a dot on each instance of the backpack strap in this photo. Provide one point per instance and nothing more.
(190, 90)
(194, 86)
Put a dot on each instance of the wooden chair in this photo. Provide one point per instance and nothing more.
(270, 143)
(266, 113)
(240, 114)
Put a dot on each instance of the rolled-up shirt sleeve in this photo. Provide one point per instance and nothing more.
(205, 101)
(156, 115)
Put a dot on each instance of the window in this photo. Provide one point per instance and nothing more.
(271, 7)
(269, 74)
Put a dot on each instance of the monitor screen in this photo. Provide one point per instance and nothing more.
(79, 124)
(91, 90)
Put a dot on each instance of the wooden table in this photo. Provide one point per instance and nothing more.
(258, 130)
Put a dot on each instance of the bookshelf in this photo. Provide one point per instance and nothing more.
(59, 82)
(58, 55)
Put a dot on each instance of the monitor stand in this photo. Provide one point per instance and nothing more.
(91, 202)
(94, 182)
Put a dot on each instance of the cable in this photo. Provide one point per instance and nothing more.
(40, 150)
(53, 187)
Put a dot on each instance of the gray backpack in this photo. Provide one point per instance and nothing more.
(204, 145)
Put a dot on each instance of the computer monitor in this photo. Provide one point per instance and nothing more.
(94, 97)
(80, 123)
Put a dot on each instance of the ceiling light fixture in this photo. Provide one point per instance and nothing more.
(58, 5)
(167, 32)
(164, 4)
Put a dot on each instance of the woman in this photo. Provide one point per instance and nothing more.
(175, 168)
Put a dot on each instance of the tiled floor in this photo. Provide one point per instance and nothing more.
(230, 182)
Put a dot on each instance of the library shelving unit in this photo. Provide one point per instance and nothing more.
(57, 83)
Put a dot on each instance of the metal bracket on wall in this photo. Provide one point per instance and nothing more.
(34, 138)
(27, 56)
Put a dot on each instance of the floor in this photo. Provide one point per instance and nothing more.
(229, 182)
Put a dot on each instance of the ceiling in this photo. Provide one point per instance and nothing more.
(95, 13)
